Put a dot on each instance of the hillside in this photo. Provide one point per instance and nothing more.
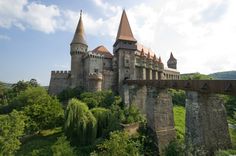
(7, 85)
(227, 75)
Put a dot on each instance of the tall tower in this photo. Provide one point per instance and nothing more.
(78, 48)
(172, 62)
(124, 51)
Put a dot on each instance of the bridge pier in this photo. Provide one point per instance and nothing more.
(157, 105)
(160, 118)
(206, 124)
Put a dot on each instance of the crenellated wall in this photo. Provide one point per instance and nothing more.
(59, 81)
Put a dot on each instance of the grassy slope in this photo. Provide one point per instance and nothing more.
(179, 117)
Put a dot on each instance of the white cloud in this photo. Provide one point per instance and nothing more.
(24, 14)
(201, 34)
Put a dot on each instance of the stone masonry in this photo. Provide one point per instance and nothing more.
(98, 69)
(206, 124)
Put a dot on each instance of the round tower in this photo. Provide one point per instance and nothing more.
(78, 48)
(172, 62)
(95, 82)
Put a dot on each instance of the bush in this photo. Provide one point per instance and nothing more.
(62, 147)
(119, 144)
(132, 115)
(175, 148)
(80, 124)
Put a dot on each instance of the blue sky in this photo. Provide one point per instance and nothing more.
(35, 35)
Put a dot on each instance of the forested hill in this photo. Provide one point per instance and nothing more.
(227, 75)
(7, 85)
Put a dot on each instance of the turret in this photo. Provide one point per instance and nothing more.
(78, 48)
(172, 62)
(95, 82)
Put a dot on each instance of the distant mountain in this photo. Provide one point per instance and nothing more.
(227, 75)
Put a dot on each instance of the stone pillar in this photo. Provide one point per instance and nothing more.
(160, 75)
(206, 124)
(160, 116)
(143, 73)
(154, 75)
(150, 74)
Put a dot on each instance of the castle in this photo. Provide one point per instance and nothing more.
(98, 69)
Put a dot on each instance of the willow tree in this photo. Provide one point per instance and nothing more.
(80, 124)
(104, 120)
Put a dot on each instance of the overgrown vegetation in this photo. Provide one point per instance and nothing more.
(33, 123)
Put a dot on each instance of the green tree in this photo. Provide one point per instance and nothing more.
(70, 93)
(119, 144)
(104, 120)
(98, 99)
(43, 110)
(12, 127)
(196, 76)
(178, 97)
(62, 147)
(80, 124)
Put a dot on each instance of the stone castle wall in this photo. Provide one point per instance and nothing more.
(59, 81)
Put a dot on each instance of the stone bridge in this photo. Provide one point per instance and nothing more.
(206, 127)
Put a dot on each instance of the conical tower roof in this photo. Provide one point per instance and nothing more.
(124, 31)
(172, 58)
(79, 36)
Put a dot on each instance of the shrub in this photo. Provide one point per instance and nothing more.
(62, 147)
(132, 115)
(175, 148)
(119, 144)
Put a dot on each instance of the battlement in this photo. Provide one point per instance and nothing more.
(60, 74)
(93, 55)
(95, 76)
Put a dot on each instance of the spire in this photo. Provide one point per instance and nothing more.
(172, 57)
(124, 31)
(79, 36)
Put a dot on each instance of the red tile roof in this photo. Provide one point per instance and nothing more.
(102, 51)
(124, 31)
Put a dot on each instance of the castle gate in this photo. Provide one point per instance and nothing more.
(206, 127)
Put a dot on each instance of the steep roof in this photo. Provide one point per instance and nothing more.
(79, 36)
(102, 51)
(172, 59)
(124, 31)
